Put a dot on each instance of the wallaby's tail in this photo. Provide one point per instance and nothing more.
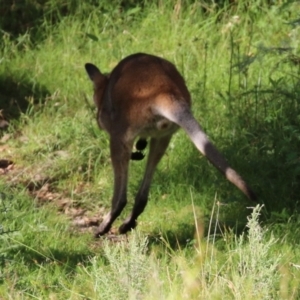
(185, 119)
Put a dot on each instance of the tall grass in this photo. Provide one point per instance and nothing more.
(249, 270)
(241, 64)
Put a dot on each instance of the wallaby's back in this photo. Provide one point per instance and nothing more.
(141, 78)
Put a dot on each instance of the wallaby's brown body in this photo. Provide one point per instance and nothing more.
(145, 96)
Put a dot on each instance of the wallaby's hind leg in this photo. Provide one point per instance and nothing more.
(120, 156)
(158, 148)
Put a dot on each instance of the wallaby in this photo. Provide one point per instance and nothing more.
(146, 97)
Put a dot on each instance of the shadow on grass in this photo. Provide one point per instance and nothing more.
(66, 260)
(185, 232)
(18, 93)
(175, 239)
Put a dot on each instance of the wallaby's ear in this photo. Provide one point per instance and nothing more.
(94, 73)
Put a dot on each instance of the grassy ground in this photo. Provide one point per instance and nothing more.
(242, 67)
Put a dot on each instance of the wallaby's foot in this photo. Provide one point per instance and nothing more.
(127, 226)
(101, 231)
(103, 228)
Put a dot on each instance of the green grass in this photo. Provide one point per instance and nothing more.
(242, 68)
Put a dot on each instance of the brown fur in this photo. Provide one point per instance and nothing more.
(145, 96)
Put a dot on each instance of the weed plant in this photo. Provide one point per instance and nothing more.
(241, 63)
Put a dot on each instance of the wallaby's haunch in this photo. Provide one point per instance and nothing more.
(145, 96)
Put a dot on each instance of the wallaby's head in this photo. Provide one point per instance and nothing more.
(100, 81)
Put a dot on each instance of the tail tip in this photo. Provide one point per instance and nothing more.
(251, 195)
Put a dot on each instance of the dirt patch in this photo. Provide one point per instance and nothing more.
(40, 188)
